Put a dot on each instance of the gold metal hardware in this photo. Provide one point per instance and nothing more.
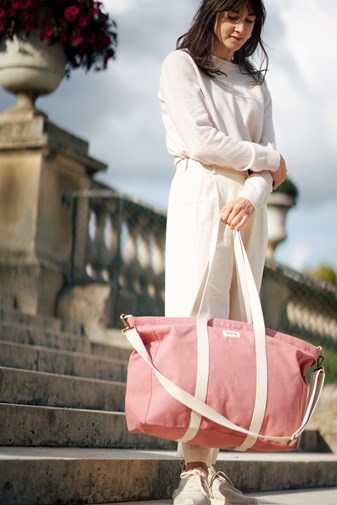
(124, 320)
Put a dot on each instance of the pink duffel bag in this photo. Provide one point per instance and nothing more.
(221, 383)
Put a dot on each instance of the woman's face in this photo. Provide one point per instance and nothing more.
(232, 30)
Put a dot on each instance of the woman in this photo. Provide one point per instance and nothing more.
(217, 116)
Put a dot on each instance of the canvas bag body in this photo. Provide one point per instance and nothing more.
(171, 343)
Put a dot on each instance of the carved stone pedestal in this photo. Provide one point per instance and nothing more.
(39, 162)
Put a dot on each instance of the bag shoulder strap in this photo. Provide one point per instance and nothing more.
(195, 404)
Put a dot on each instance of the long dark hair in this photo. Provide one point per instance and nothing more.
(198, 40)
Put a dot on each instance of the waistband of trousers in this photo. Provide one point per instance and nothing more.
(187, 164)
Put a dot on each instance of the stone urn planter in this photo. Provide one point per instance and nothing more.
(280, 202)
(277, 209)
(30, 68)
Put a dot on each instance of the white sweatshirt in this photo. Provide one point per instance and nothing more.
(225, 120)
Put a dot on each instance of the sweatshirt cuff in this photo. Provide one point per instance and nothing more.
(264, 158)
(257, 188)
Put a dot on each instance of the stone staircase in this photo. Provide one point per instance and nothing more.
(63, 436)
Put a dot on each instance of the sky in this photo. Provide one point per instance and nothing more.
(118, 111)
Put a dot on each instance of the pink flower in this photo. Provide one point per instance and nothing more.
(76, 40)
(82, 22)
(71, 13)
(46, 33)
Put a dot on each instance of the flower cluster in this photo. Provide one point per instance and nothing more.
(83, 28)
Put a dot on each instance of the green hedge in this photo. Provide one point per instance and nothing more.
(289, 188)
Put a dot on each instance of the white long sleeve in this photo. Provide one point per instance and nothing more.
(257, 188)
(224, 121)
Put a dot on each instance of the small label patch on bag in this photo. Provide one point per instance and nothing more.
(232, 334)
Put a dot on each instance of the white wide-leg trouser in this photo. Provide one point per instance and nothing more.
(197, 194)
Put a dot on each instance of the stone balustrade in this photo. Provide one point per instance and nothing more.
(298, 304)
(120, 242)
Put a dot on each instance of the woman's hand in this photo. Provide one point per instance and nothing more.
(237, 212)
(280, 175)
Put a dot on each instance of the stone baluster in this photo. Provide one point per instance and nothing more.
(158, 255)
(103, 257)
(144, 255)
(129, 263)
(90, 247)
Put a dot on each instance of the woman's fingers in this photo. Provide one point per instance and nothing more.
(236, 213)
(238, 222)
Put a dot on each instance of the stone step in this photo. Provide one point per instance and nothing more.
(95, 476)
(26, 425)
(44, 389)
(117, 348)
(42, 359)
(321, 496)
(13, 316)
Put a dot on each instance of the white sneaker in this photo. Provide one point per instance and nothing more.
(223, 492)
(193, 488)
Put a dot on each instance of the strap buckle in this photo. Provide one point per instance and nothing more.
(320, 360)
(124, 320)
